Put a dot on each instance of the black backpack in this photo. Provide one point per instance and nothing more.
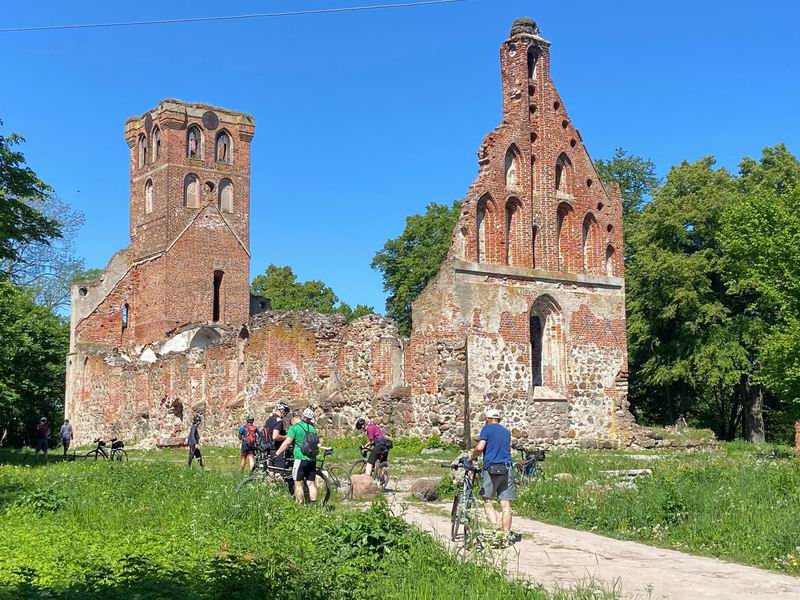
(310, 445)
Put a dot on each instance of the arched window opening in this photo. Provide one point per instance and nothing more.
(216, 308)
(562, 233)
(156, 144)
(548, 357)
(191, 191)
(513, 232)
(563, 166)
(534, 235)
(610, 261)
(124, 312)
(223, 148)
(481, 230)
(532, 60)
(142, 151)
(148, 196)
(226, 196)
(194, 143)
(512, 168)
(589, 242)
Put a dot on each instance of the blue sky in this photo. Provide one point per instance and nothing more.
(364, 118)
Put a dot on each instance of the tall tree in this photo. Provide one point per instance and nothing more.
(409, 261)
(285, 292)
(20, 190)
(636, 177)
(34, 344)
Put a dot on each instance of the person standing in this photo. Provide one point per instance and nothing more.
(275, 432)
(66, 436)
(193, 442)
(40, 442)
(494, 442)
(306, 446)
(248, 433)
(377, 443)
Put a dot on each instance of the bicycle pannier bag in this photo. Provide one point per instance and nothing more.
(118, 444)
(497, 470)
(387, 443)
(310, 445)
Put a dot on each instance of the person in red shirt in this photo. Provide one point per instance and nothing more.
(377, 442)
(40, 441)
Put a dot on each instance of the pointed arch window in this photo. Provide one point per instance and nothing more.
(156, 143)
(563, 171)
(563, 218)
(534, 239)
(589, 241)
(226, 196)
(148, 196)
(512, 168)
(223, 148)
(142, 151)
(548, 355)
(533, 58)
(513, 231)
(194, 142)
(191, 191)
(610, 261)
(124, 315)
(481, 230)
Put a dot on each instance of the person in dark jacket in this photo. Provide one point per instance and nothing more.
(40, 439)
(194, 442)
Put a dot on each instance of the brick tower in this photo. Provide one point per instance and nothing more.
(189, 257)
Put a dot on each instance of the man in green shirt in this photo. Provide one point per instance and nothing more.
(305, 466)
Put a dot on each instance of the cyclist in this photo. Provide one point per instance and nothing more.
(274, 431)
(194, 442)
(498, 476)
(248, 433)
(305, 465)
(377, 443)
(40, 441)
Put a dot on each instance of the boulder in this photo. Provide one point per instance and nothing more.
(363, 487)
(426, 490)
(564, 476)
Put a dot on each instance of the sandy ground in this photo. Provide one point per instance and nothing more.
(556, 557)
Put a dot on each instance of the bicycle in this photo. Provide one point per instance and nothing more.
(380, 470)
(528, 468)
(266, 472)
(117, 452)
(464, 513)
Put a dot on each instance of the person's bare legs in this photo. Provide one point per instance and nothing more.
(505, 505)
(299, 494)
(251, 459)
(312, 490)
(368, 469)
(241, 464)
(491, 513)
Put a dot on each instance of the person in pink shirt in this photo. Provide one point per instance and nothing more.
(377, 442)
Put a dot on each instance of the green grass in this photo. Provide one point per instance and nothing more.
(148, 529)
(738, 501)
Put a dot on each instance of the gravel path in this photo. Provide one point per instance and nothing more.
(556, 557)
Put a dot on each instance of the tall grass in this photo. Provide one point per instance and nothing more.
(740, 502)
(149, 531)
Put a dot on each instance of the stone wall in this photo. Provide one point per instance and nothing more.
(342, 370)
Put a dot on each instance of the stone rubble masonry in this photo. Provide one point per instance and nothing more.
(535, 269)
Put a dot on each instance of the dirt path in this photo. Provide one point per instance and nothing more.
(557, 557)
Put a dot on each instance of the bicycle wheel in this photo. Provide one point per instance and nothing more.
(455, 517)
(91, 454)
(383, 476)
(324, 487)
(520, 476)
(250, 482)
(119, 455)
(358, 468)
(340, 480)
(471, 530)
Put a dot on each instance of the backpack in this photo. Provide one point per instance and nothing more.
(264, 443)
(250, 432)
(310, 445)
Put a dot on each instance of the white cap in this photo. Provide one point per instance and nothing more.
(308, 414)
(493, 413)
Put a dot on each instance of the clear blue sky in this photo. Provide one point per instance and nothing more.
(364, 118)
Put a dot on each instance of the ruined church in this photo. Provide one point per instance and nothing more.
(526, 313)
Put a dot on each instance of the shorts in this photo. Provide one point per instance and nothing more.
(40, 444)
(247, 450)
(304, 470)
(502, 486)
(379, 451)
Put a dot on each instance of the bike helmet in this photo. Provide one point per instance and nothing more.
(308, 414)
(360, 424)
(197, 419)
(250, 419)
(43, 419)
(282, 406)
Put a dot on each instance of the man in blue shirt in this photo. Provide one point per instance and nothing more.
(498, 476)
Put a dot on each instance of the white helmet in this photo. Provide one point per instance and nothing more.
(308, 414)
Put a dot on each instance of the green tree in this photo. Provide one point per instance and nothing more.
(285, 292)
(636, 177)
(409, 261)
(20, 190)
(34, 344)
